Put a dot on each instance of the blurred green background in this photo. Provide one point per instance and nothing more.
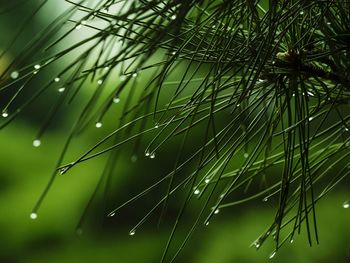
(25, 170)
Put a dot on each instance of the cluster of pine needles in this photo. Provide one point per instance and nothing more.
(261, 84)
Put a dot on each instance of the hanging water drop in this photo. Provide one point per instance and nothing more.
(196, 192)
(36, 143)
(14, 74)
(5, 114)
(122, 77)
(61, 89)
(152, 156)
(63, 170)
(311, 118)
(37, 67)
(265, 199)
(292, 240)
(207, 181)
(111, 214)
(98, 124)
(57, 79)
(216, 211)
(272, 254)
(78, 27)
(147, 153)
(156, 126)
(116, 100)
(173, 17)
(99, 82)
(346, 204)
(207, 223)
(134, 74)
(301, 12)
(245, 155)
(33, 216)
(132, 232)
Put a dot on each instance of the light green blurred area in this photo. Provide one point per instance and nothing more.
(25, 171)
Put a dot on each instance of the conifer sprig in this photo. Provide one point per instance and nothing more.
(267, 83)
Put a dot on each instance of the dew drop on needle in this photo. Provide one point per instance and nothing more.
(33, 216)
(14, 74)
(36, 143)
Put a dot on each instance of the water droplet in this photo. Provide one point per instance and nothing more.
(257, 244)
(5, 114)
(33, 216)
(98, 124)
(207, 223)
(310, 94)
(147, 153)
(301, 12)
(173, 17)
(14, 74)
(132, 232)
(63, 170)
(265, 199)
(116, 100)
(152, 156)
(238, 105)
(134, 74)
(216, 211)
(328, 23)
(207, 181)
(106, 68)
(273, 62)
(122, 77)
(311, 118)
(61, 89)
(346, 204)
(240, 26)
(134, 158)
(291, 241)
(245, 155)
(156, 126)
(37, 66)
(111, 214)
(83, 22)
(36, 143)
(196, 192)
(173, 53)
(78, 27)
(35, 72)
(99, 82)
(213, 26)
(272, 254)
(346, 129)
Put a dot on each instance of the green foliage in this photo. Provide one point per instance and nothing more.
(241, 87)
